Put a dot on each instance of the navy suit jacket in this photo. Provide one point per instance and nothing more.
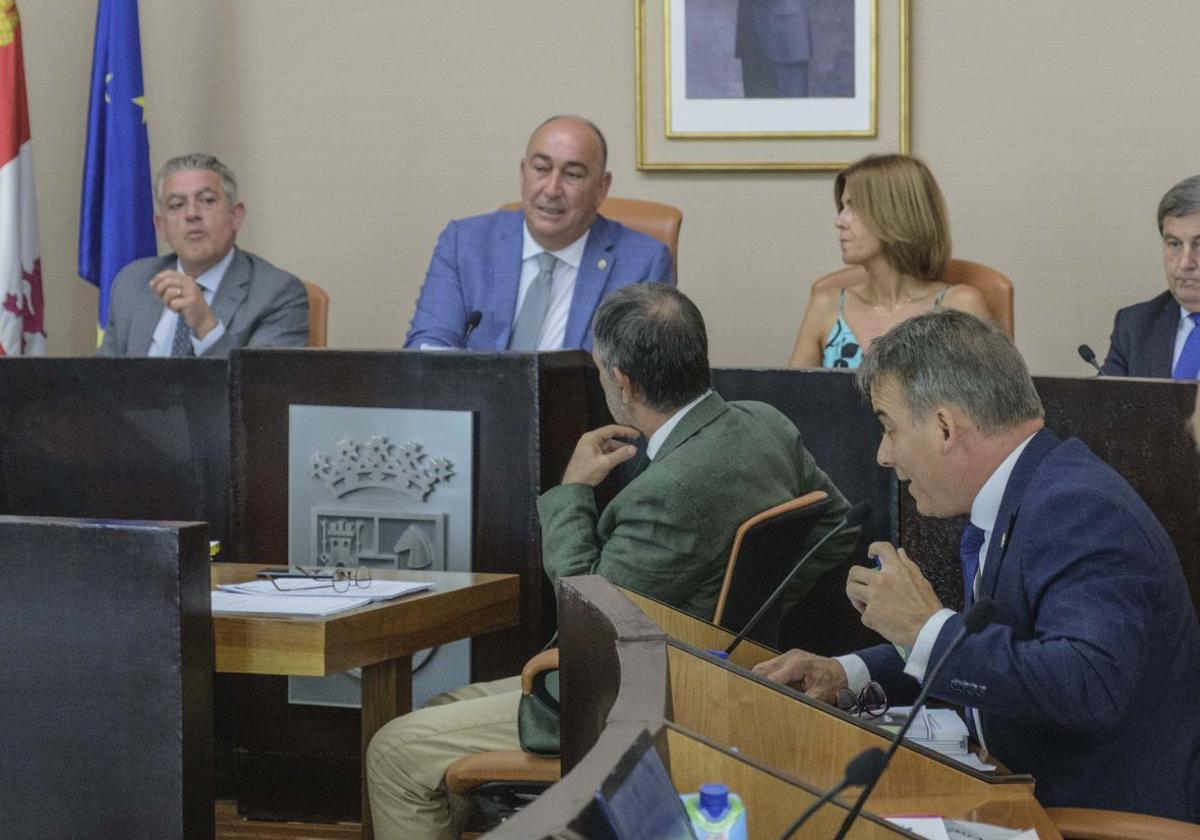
(1089, 677)
(1143, 339)
(477, 266)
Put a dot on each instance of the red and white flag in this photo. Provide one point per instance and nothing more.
(21, 326)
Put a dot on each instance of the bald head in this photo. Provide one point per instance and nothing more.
(578, 122)
(563, 180)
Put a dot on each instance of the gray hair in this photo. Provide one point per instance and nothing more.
(947, 357)
(196, 160)
(1183, 199)
(656, 336)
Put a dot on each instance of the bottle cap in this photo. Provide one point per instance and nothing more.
(714, 800)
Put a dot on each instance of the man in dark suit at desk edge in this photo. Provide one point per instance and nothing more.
(1089, 677)
(1158, 338)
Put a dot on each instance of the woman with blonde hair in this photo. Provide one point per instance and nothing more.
(894, 230)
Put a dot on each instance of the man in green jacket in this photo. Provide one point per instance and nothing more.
(713, 465)
(667, 534)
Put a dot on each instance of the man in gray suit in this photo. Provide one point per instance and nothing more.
(208, 296)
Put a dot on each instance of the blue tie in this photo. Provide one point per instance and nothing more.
(968, 554)
(1189, 358)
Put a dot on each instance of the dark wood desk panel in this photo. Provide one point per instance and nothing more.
(105, 679)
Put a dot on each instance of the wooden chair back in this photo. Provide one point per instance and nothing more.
(997, 290)
(318, 315)
(659, 221)
(765, 549)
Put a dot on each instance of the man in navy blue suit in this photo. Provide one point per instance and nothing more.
(537, 274)
(1152, 338)
(1089, 676)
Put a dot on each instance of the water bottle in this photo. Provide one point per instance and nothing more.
(716, 814)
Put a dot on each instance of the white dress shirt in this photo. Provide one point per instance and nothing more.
(554, 327)
(164, 333)
(662, 432)
(984, 510)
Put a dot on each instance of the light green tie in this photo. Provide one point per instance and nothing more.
(528, 325)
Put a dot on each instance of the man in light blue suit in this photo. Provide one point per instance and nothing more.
(1089, 676)
(536, 275)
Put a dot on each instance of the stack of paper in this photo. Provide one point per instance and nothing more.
(379, 590)
(941, 730)
(236, 602)
(935, 828)
(305, 596)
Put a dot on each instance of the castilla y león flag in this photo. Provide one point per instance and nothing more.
(21, 326)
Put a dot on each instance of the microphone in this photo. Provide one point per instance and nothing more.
(863, 769)
(978, 617)
(854, 517)
(472, 322)
(1088, 356)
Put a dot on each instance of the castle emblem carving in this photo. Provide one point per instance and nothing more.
(377, 462)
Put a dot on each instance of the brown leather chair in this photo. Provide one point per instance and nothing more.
(318, 315)
(1099, 824)
(660, 221)
(764, 550)
(468, 773)
(997, 290)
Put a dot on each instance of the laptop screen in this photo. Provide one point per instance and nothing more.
(639, 800)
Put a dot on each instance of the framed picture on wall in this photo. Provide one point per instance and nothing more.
(802, 85)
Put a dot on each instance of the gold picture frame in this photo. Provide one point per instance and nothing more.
(663, 146)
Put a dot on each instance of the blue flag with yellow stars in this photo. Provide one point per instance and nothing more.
(116, 216)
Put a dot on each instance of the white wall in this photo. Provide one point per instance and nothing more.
(358, 128)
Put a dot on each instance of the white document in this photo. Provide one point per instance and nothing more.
(936, 828)
(931, 828)
(236, 602)
(379, 590)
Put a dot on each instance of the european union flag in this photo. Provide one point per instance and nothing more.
(116, 216)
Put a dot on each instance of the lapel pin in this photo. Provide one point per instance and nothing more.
(602, 264)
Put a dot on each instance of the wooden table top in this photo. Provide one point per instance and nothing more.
(461, 605)
(1014, 809)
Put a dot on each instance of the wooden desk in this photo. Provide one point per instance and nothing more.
(379, 638)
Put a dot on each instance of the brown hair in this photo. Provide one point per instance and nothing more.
(899, 201)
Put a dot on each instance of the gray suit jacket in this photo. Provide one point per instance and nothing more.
(259, 304)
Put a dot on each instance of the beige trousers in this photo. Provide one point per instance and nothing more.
(407, 758)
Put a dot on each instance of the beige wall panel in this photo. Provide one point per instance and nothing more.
(357, 129)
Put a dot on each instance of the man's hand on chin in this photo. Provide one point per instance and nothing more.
(598, 452)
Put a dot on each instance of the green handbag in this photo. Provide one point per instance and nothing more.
(537, 716)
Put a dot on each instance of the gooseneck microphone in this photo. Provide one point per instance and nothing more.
(976, 618)
(1089, 356)
(472, 322)
(863, 769)
(854, 517)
